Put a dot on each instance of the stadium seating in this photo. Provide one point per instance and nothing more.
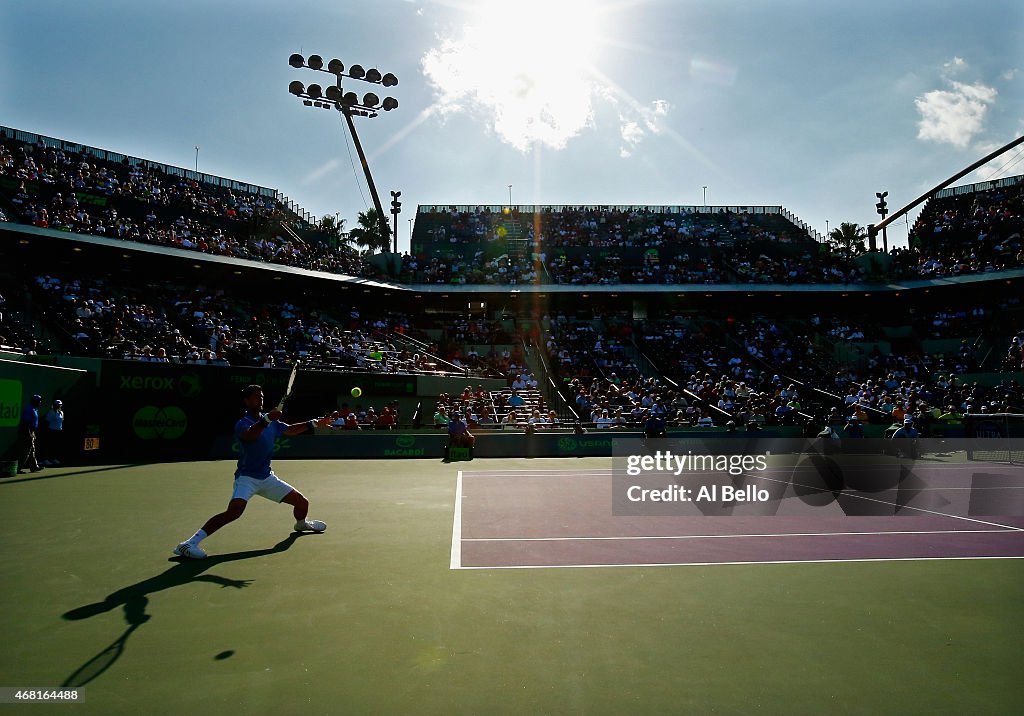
(609, 369)
(55, 184)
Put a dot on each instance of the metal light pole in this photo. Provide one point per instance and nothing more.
(197, 159)
(705, 196)
(350, 105)
(396, 209)
(882, 210)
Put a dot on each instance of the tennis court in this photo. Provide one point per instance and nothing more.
(566, 518)
(371, 617)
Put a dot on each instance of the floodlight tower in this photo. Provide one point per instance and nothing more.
(350, 105)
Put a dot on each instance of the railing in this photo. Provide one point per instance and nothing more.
(979, 186)
(649, 208)
(813, 233)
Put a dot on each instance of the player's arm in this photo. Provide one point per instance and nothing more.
(308, 427)
(254, 430)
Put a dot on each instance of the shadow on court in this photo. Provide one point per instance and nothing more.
(134, 599)
(52, 475)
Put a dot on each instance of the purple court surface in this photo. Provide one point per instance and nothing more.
(564, 518)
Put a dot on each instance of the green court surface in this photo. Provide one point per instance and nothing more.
(370, 618)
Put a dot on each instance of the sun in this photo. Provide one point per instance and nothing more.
(525, 65)
(540, 37)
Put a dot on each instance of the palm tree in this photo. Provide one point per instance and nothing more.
(333, 227)
(849, 236)
(370, 234)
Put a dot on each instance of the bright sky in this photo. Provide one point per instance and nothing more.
(814, 105)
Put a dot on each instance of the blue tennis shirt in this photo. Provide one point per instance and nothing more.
(254, 460)
(30, 417)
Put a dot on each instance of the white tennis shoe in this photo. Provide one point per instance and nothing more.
(192, 551)
(310, 526)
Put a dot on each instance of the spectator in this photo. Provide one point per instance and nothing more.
(441, 416)
(458, 433)
(52, 443)
(386, 420)
(27, 433)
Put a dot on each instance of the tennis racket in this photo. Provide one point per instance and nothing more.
(288, 389)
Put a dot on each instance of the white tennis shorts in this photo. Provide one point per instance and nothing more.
(272, 488)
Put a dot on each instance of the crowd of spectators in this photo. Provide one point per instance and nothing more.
(70, 188)
(763, 371)
(15, 336)
(358, 417)
(455, 269)
(755, 264)
(712, 370)
(1013, 360)
(521, 406)
(971, 233)
(483, 345)
(97, 317)
(79, 192)
(612, 269)
(707, 370)
(586, 350)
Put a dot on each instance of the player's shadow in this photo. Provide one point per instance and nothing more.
(134, 599)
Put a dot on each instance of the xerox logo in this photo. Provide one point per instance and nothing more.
(10, 403)
(187, 386)
(168, 423)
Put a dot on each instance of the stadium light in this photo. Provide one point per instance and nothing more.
(366, 107)
(396, 209)
(350, 105)
(882, 210)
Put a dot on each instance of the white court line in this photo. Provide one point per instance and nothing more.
(894, 504)
(731, 536)
(725, 564)
(524, 473)
(456, 562)
(771, 468)
(457, 551)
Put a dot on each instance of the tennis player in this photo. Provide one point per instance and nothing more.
(256, 433)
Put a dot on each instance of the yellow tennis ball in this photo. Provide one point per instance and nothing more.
(356, 392)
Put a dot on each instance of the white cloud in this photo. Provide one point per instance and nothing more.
(954, 66)
(954, 116)
(1011, 74)
(631, 132)
(634, 127)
